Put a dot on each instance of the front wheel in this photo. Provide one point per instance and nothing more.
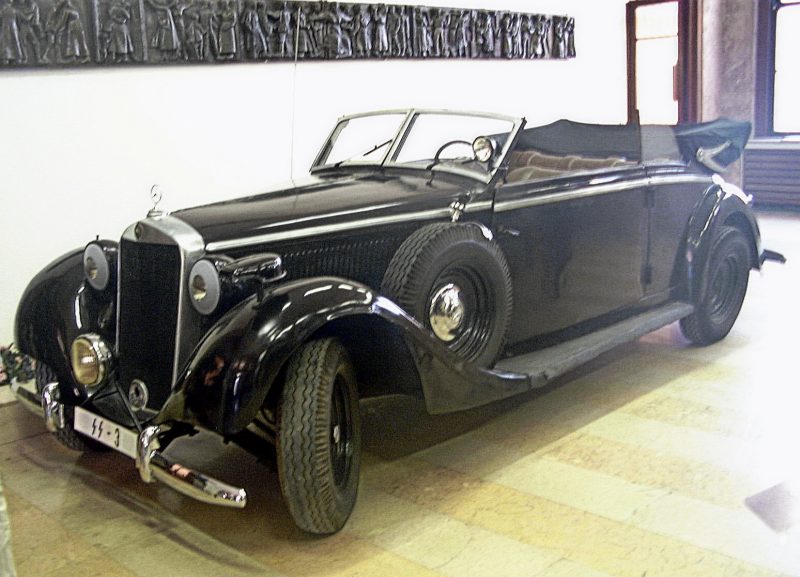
(726, 284)
(319, 437)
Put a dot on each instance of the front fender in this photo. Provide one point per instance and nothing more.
(56, 307)
(232, 370)
(723, 204)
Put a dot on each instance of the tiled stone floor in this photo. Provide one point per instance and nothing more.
(636, 465)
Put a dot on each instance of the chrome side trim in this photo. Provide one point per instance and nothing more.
(342, 226)
(153, 465)
(599, 189)
(53, 410)
(167, 229)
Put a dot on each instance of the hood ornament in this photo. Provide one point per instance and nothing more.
(155, 196)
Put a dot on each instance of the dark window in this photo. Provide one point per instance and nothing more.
(778, 75)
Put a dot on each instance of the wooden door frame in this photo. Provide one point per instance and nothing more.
(687, 82)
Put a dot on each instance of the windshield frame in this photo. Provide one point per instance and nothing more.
(403, 131)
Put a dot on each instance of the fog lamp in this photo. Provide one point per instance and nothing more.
(90, 358)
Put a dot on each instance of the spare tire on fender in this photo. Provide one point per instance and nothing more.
(456, 282)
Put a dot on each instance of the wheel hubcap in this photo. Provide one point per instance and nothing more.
(446, 312)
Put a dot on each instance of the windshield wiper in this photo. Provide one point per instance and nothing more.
(365, 153)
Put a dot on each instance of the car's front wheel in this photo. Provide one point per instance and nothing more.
(319, 437)
(726, 284)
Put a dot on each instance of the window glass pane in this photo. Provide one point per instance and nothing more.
(365, 139)
(787, 72)
(655, 65)
(657, 20)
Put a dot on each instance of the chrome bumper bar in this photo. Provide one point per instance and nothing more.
(26, 398)
(151, 463)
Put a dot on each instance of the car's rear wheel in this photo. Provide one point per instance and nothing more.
(319, 437)
(67, 436)
(457, 283)
(726, 284)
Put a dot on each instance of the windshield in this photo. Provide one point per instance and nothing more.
(426, 140)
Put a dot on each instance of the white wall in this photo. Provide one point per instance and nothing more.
(80, 149)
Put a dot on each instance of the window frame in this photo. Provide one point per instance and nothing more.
(688, 58)
(767, 18)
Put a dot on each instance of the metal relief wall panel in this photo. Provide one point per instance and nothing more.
(129, 32)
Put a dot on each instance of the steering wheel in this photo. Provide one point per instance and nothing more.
(442, 148)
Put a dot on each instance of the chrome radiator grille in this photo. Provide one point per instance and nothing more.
(150, 277)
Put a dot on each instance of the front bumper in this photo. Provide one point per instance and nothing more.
(151, 463)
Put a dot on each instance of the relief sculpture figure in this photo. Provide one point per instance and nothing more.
(441, 25)
(65, 31)
(165, 36)
(400, 31)
(381, 17)
(254, 39)
(363, 32)
(462, 48)
(38, 32)
(422, 30)
(30, 31)
(539, 40)
(195, 35)
(527, 27)
(486, 38)
(559, 37)
(306, 43)
(282, 19)
(228, 20)
(117, 41)
(569, 32)
(10, 44)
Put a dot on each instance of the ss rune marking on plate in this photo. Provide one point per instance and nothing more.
(106, 431)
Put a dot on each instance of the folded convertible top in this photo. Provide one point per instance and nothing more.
(715, 144)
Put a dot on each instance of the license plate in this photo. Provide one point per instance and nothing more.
(105, 431)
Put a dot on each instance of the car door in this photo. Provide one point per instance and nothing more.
(576, 245)
(675, 196)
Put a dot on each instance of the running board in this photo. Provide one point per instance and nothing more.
(543, 365)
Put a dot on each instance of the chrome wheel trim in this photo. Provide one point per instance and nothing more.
(446, 312)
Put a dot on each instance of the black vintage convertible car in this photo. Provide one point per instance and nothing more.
(459, 257)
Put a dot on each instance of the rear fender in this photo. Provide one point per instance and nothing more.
(722, 205)
(56, 307)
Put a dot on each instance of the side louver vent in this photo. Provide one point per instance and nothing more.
(772, 173)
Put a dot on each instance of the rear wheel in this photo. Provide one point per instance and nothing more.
(726, 284)
(67, 436)
(319, 437)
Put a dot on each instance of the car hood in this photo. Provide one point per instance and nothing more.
(319, 204)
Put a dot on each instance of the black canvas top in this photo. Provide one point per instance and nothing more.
(566, 137)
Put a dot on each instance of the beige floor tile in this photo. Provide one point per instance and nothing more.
(447, 545)
(595, 542)
(579, 488)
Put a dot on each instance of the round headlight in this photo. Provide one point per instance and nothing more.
(204, 287)
(483, 148)
(90, 358)
(95, 266)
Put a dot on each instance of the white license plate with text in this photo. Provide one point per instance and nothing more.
(105, 431)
